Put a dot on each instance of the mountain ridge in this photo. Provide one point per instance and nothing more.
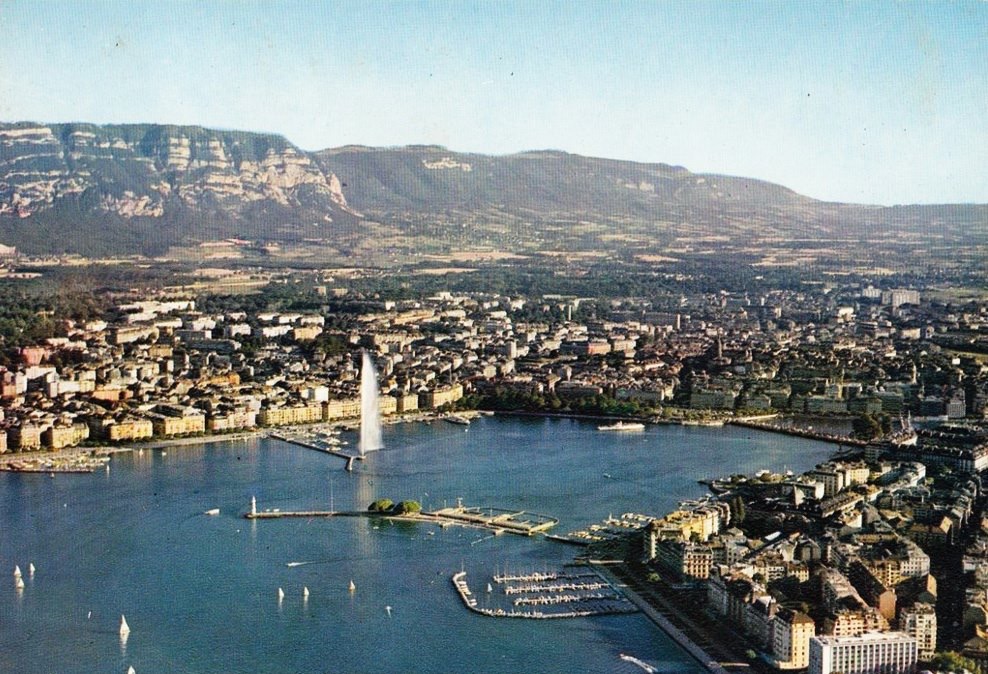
(146, 188)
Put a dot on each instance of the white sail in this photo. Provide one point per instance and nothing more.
(17, 571)
(124, 627)
(131, 670)
(281, 594)
(352, 586)
(30, 568)
(305, 592)
(19, 583)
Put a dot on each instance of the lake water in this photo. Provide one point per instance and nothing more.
(200, 592)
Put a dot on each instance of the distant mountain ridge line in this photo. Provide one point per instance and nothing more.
(89, 188)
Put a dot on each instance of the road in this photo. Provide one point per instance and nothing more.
(684, 609)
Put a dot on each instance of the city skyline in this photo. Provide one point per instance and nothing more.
(870, 103)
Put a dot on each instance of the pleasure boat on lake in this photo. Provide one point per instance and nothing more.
(623, 426)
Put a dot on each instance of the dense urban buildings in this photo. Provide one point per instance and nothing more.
(834, 570)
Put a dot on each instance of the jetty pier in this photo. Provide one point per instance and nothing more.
(498, 520)
(319, 447)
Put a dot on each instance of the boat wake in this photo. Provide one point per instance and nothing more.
(641, 663)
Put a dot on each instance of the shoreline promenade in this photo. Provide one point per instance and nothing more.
(649, 610)
(717, 651)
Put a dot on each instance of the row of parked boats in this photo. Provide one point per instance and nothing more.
(579, 600)
(70, 463)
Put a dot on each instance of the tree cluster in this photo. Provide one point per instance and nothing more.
(386, 506)
(503, 399)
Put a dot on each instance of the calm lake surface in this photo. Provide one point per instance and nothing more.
(200, 592)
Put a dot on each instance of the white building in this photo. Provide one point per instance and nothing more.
(871, 652)
(900, 296)
(790, 639)
(920, 622)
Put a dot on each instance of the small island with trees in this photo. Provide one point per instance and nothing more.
(385, 506)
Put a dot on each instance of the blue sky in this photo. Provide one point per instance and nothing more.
(874, 102)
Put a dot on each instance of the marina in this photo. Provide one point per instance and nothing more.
(311, 440)
(69, 463)
(547, 602)
(553, 588)
(538, 577)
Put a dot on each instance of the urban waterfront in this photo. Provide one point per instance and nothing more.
(201, 593)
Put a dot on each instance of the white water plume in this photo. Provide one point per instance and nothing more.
(370, 413)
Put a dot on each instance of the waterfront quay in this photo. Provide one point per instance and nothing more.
(713, 643)
(498, 519)
(318, 446)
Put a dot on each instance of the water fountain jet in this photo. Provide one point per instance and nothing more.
(370, 413)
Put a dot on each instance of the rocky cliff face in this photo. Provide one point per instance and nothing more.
(144, 170)
(112, 189)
